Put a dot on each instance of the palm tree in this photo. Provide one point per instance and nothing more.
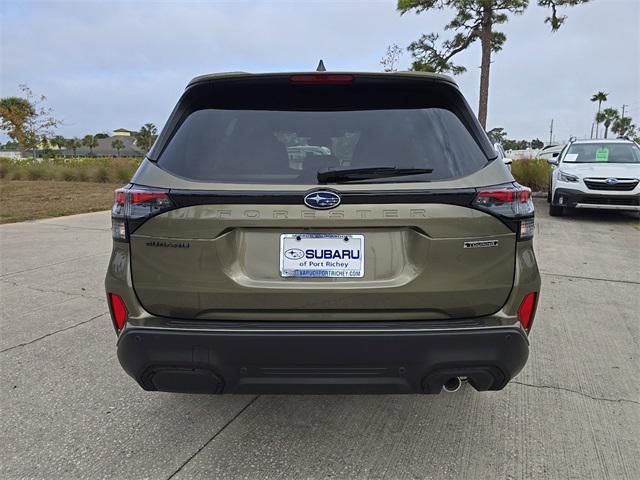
(59, 141)
(146, 136)
(599, 97)
(607, 116)
(74, 144)
(623, 126)
(118, 145)
(90, 141)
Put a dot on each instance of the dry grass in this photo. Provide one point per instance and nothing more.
(98, 169)
(29, 200)
(532, 173)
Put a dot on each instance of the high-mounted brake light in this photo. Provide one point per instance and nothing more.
(512, 203)
(119, 311)
(133, 205)
(315, 78)
(527, 309)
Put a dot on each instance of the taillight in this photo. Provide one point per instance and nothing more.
(527, 309)
(119, 311)
(511, 203)
(133, 206)
(315, 78)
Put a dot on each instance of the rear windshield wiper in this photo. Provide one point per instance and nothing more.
(354, 174)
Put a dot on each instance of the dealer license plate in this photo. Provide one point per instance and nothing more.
(321, 255)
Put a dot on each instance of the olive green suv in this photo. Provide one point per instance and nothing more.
(322, 232)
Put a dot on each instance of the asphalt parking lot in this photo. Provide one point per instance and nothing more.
(69, 411)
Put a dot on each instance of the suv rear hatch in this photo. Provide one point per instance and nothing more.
(228, 217)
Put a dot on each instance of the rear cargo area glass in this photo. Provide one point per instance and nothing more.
(313, 129)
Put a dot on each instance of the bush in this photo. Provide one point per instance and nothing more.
(123, 169)
(94, 169)
(68, 174)
(532, 173)
(123, 174)
(101, 175)
(36, 172)
(5, 167)
(82, 175)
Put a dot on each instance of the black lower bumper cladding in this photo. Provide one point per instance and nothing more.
(359, 361)
(570, 198)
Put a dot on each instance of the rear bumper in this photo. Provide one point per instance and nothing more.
(362, 360)
(607, 201)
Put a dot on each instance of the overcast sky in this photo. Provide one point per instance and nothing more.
(105, 65)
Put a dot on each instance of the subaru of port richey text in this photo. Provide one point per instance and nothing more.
(325, 233)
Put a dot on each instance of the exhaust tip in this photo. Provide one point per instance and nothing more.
(452, 385)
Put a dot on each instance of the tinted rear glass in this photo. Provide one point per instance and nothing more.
(292, 144)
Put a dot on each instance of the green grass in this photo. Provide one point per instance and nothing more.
(99, 169)
(532, 173)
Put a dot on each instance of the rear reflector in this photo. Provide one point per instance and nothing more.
(321, 78)
(527, 227)
(526, 310)
(119, 311)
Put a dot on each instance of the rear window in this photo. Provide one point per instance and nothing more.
(290, 145)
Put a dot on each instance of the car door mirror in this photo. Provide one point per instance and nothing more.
(555, 158)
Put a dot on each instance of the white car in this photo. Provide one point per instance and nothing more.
(602, 174)
(502, 155)
(550, 152)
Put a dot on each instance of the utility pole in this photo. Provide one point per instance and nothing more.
(623, 108)
(592, 123)
(551, 132)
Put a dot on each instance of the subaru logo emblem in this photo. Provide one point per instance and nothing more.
(294, 254)
(322, 200)
(611, 181)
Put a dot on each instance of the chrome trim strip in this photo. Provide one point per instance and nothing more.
(599, 206)
(604, 180)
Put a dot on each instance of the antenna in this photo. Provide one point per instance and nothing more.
(321, 67)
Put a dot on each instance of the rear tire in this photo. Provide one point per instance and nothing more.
(555, 211)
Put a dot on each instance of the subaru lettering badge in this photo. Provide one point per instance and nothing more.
(611, 181)
(322, 200)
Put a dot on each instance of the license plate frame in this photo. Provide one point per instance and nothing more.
(297, 264)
